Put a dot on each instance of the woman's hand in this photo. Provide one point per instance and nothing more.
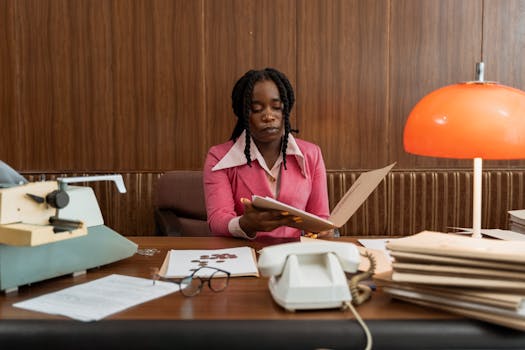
(263, 220)
(322, 234)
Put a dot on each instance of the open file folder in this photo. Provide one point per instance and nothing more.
(347, 206)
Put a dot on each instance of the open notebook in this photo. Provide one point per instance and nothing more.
(347, 206)
(238, 261)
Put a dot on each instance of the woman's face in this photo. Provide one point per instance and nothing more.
(266, 113)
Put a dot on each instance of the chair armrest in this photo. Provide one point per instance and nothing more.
(167, 223)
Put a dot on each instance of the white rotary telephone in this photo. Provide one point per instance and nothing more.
(309, 275)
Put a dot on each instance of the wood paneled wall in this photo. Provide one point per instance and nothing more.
(144, 85)
(127, 85)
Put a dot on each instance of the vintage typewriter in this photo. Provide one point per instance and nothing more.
(50, 228)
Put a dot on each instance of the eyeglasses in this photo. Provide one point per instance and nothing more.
(192, 285)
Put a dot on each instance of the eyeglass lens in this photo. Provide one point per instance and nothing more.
(192, 285)
(218, 281)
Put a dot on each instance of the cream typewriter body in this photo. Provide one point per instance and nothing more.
(49, 229)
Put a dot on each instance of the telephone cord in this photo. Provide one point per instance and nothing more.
(362, 323)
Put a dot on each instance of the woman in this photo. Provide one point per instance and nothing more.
(263, 158)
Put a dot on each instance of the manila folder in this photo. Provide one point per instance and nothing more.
(347, 206)
(365, 184)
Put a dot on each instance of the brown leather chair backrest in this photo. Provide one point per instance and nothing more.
(180, 208)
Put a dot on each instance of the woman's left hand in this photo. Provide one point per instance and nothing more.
(322, 234)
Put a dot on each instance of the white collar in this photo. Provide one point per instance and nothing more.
(235, 156)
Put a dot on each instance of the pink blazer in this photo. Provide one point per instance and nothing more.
(224, 188)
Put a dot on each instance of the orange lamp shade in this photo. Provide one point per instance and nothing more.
(468, 120)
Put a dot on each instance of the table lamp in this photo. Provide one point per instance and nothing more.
(471, 120)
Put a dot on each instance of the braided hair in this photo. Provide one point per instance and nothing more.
(242, 101)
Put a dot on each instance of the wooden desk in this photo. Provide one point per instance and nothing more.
(243, 316)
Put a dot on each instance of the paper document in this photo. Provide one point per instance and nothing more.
(347, 206)
(239, 261)
(505, 235)
(92, 301)
(458, 261)
(458, 281)
(504, 308)
(437, 243)
(458, 271)
(507, 300)
(454, 302)
(377, 243)
(518, 215)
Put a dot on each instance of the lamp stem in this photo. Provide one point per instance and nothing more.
(476, 199)
(480, 71)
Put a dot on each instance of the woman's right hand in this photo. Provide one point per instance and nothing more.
(264, 220)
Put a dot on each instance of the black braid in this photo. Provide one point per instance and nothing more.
(246, 121)
(284, 97)
(241, 103)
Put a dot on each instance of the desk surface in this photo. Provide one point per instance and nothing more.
(244, 313)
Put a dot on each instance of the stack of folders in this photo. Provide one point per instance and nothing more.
(475, 277)
(517, 220)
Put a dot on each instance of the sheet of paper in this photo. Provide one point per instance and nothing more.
(505, 235)
(92, 301)
(520, 214)
(454, 302)
(383, 261)
(458, 246)
(238, 261)
(377, 244)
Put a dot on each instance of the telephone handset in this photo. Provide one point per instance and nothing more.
(309, 275)
(273, 258)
